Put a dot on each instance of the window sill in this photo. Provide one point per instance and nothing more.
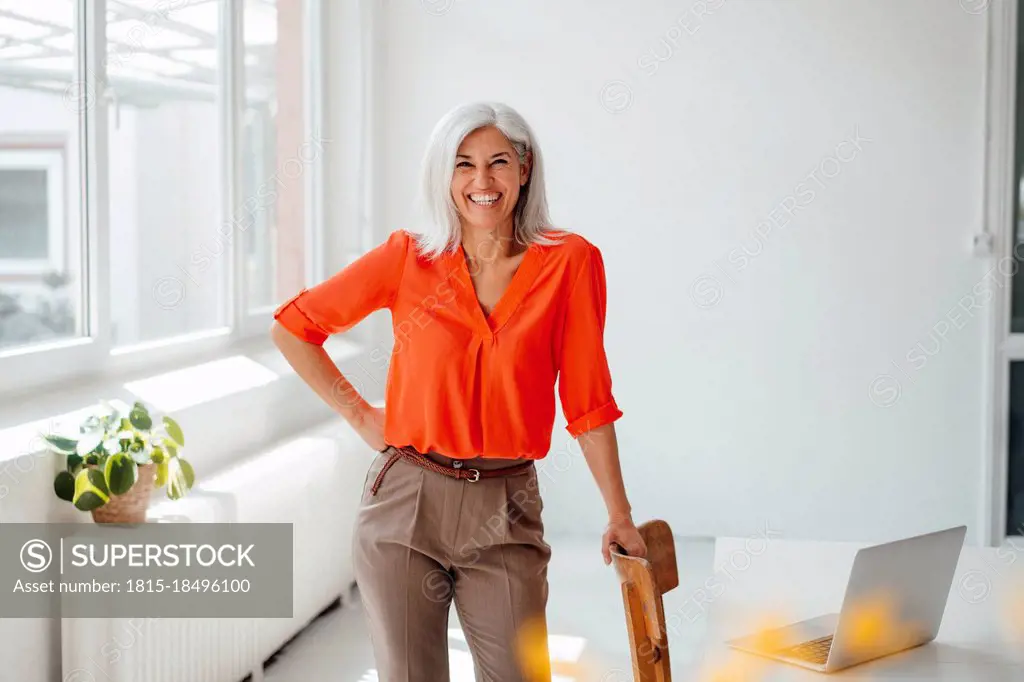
(248, 382)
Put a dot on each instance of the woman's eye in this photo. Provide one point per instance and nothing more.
(467, 164)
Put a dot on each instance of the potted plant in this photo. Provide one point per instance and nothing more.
(117, 460)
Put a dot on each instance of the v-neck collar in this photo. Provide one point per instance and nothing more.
(522, 279)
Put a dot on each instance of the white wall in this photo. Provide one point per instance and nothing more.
(747, 381)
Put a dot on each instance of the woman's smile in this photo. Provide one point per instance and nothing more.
(485, 199)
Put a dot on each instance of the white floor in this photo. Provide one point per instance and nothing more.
(586, 623)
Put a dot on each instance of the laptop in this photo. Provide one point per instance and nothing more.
(894, 601)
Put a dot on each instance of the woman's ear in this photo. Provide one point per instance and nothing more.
(524, 169)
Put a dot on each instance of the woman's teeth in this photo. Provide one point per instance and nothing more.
(484, 199)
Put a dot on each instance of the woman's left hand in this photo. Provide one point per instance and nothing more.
(625, 534)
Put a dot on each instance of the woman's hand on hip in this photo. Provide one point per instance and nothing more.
(625, 534)
(369, 424)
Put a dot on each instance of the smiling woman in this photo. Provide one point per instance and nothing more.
(490, 305)
(494, 147)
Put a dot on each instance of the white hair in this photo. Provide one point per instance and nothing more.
(441, 230)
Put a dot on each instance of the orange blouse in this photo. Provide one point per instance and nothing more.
(463, 383)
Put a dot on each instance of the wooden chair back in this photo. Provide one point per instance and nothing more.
(643, 581)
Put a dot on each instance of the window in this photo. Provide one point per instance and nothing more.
(1015, 369)
(154, 193)
(166, 171)
(1015, 498)
(1008, 364)
(276, 150)
(1017, 301)
(40, 227)
(32, 228)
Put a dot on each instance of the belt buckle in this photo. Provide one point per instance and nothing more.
(476, 475)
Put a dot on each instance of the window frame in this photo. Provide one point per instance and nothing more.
(254, 320)
(998, 221)
(91, 354)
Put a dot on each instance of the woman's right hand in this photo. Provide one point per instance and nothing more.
(369, 424)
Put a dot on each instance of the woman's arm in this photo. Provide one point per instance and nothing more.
(601, 450)
(311, 362)
(304, 322)
(585, 389)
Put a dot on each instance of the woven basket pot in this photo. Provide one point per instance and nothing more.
(132, 506)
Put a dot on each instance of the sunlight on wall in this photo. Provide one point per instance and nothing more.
(201, 383)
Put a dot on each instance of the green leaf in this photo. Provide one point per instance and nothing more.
(174, 431)
(89, 443)
(98, 480)
(64, 446)
(89, 500)
(158, 455)
(113, 415)
(174, 490)
(64, 486)
(188, 472)
(90, 490)
(120, 473)
(181, 478)
(74, 463)
(161, 474)
(140, 418)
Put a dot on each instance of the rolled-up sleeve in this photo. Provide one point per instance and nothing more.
(584, 380)
(335, 305)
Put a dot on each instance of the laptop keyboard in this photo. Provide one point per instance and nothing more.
(815, 651)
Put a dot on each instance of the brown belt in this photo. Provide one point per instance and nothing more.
(455, 471)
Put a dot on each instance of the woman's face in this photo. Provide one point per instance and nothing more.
(487, 178)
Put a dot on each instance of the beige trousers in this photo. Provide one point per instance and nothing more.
(426, 540)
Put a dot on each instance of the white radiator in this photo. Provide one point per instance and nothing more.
(313, 482)
(159, 650)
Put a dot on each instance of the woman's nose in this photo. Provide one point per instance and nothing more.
(482, 179)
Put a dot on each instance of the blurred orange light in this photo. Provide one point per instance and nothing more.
(1015, 614)
(874, 625)
(532, 649)
(740, 667)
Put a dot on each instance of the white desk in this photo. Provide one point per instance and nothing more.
(981, 639)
